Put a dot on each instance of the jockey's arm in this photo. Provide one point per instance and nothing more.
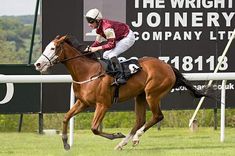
(98, 41)
(110, 36)
(96, 45)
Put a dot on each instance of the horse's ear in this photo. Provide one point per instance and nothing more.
(60, 39)
(67, 37)
(57, 37)
(63, 38)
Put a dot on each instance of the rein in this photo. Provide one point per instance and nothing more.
(80, 55)
(68, 59)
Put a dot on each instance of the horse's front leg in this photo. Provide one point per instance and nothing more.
(77, 108)
(97, 119)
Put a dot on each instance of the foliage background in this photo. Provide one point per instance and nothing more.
(173, 118)
(15, 38)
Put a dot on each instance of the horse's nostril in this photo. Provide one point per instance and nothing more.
(38, 64)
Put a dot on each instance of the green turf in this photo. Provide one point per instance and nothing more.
(167, 142)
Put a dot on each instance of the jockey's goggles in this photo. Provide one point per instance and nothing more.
(90, 20)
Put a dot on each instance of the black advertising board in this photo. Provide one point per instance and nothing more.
(19, 97)
(190, 35)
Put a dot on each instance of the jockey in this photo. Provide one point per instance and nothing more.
(119, 38)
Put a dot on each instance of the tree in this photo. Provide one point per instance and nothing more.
(15, 35)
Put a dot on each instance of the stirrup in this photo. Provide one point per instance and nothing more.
(118, 81)
(115, 82)
(121, 81)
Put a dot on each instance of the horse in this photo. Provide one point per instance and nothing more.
(92, 88)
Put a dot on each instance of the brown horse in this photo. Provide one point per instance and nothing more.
(92, 87)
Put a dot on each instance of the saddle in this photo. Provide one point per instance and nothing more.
(129, 66)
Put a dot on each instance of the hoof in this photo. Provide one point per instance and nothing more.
(135, 142)
(67, 147)
(119, 135)
(118, 147)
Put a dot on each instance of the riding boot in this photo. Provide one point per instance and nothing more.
(119, 74)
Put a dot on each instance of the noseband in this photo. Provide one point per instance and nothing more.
(49, 60)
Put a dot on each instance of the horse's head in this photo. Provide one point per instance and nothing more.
(50, 55)
(55, 52)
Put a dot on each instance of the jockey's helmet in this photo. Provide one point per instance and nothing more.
(93, 15)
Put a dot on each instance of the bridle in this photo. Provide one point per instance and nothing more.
(52, 62)
(55, 61)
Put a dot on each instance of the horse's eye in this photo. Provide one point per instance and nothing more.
(52, 48)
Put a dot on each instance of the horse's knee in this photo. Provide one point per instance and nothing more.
(65, 120)
(95, 131)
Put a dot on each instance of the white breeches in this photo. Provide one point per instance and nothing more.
(121, 46)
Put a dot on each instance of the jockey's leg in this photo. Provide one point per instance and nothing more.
(121, 46)
(117, 67)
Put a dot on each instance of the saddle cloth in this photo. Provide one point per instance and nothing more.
(129, 66)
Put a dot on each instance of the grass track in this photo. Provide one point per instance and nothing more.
(167, 142)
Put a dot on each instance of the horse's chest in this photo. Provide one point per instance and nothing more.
(87, 96)
(94, 92)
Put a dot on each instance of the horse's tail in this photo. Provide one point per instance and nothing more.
(182, 81)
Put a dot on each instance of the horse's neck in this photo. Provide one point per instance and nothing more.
(80, 68)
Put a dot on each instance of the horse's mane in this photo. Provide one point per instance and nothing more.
(73, 41)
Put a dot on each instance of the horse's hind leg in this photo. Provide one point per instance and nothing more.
(154, 105)
(155, 91)
(140, 111)
(77, 108)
